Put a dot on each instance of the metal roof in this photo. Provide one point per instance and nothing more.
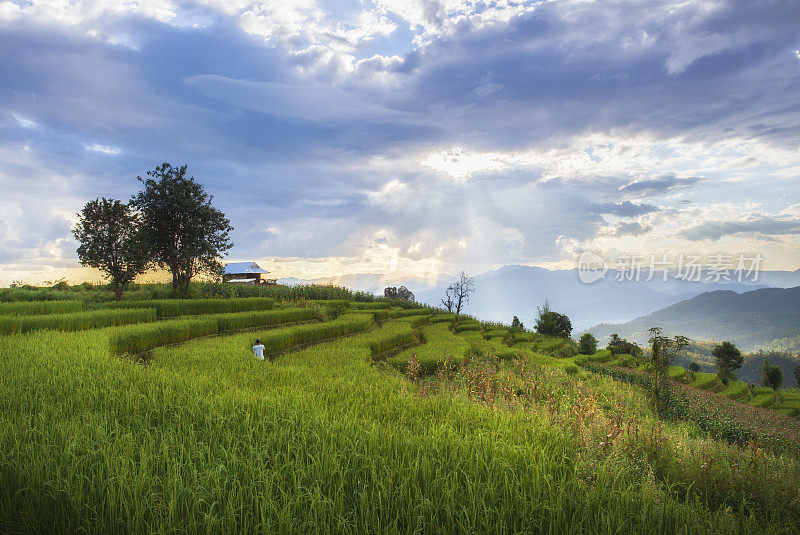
(238, 268)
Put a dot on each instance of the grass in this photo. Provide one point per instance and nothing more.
(763, 400)
(138, 339)
(142, 338)
(207, 438)
(292, 337)
(30, 308)
(736, 390)
(370, 306)
(440, 343)
(676, 372)
(705, 381)
(170, 308)
(75, 321)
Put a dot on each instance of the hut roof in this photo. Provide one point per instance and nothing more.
(239, 268)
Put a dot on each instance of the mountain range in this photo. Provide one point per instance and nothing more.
(750, 320)
(518, 290)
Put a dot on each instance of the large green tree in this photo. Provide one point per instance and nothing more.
(109, 235)
(182, 230)
(552, 323)
(728, 359)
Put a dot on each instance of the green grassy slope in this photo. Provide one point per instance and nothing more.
(207, 438)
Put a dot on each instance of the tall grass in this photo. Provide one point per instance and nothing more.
(75, 321)
(141, 338)
(170, 308)
(30, 308)
(370, 306)
(284, 339)
(383, 314)
(207, 438)
(248, 320)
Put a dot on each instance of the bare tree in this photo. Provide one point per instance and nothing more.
(457, 295)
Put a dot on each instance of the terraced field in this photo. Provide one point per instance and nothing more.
(329, 435)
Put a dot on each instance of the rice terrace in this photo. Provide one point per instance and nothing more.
(400, 267)
(368, 415)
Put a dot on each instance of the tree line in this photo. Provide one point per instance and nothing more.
(170, 224)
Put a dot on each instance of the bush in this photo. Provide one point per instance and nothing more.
(523, 337)
(587, 344)
(571, 369)
(142, 338)
(602, 356)
(30, 308)
(676, 372)
(566, 351)
(626, 361)
(75, 321)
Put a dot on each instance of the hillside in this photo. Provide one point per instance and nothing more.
(152, 415)
(749, 320)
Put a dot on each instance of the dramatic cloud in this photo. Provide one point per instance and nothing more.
(409, 136)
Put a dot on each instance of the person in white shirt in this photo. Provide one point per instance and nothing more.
(258, 350)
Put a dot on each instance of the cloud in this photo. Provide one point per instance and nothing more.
(453, 133)
(656, 186)
(105, 149)
(630, 228)
(767, 226)
(311, 102)
(625, 209)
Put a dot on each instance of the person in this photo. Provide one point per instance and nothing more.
(258, 350)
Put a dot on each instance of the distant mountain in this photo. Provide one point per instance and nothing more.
(749, 320)
(518, 290)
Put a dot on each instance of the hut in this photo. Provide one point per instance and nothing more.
(246, 273)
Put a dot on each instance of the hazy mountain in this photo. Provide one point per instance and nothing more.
(518, 290)
(749, 319)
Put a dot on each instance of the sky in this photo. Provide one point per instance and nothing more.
(409, 137)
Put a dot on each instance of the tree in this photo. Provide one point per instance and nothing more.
(181, 229)
(664, 348)
(694, 367)
(797, 375)
(110, 240)
(552, 323)
(771, 376)
(588, 344)
(621, 346)
(517, 325)
(457, 294)
(401, 293)
(728, 359)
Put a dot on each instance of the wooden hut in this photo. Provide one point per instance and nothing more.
(246, 273)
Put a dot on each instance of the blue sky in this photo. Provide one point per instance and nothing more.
(410, 138)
